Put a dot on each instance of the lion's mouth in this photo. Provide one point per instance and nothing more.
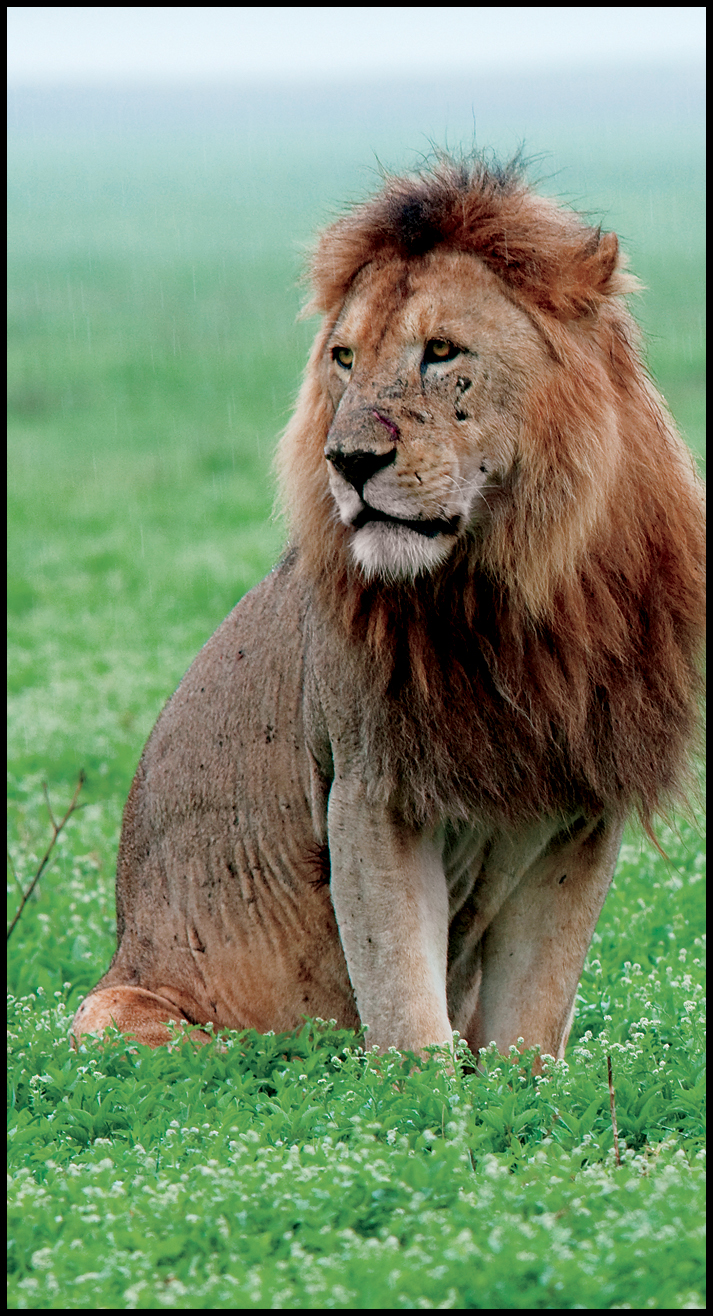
(429, 529)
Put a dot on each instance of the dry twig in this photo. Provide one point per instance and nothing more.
(56, 829)
(612, 1105)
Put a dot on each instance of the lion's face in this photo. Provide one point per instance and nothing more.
(427, 367)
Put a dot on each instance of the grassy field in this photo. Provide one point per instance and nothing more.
(154, 357)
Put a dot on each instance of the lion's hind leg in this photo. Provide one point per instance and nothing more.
(135, 1011)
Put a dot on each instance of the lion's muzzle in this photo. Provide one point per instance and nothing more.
(359, 466)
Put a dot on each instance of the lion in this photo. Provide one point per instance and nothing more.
(390, 791)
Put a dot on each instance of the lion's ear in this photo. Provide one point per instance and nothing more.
(604, 261)
(606, 272)
(596, 272)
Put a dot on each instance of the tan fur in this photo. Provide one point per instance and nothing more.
(391, 788)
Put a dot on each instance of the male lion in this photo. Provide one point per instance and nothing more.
(392, 786)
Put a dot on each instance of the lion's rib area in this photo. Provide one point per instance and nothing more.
(221, 870)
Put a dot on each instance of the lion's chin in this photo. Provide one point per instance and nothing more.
(395, 552)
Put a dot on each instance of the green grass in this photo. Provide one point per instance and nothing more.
(154, 357)
(303, 1171)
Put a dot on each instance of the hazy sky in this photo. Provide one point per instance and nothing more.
(73, 44)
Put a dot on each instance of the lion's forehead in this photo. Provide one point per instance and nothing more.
(447, 293)
(376, 297)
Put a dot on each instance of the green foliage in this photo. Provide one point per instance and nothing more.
(305, 1171)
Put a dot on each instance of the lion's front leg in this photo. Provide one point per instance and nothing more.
(533, 952)
(391, 904)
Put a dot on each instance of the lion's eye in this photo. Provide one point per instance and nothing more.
(343, 356)
(439, 349)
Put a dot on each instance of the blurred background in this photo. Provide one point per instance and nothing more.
(167, 170)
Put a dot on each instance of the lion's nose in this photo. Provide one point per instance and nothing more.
(358, 467)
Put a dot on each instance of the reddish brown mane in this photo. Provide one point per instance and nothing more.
(553, 660)
(547, 256)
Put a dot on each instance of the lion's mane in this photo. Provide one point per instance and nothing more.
(553, 661)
